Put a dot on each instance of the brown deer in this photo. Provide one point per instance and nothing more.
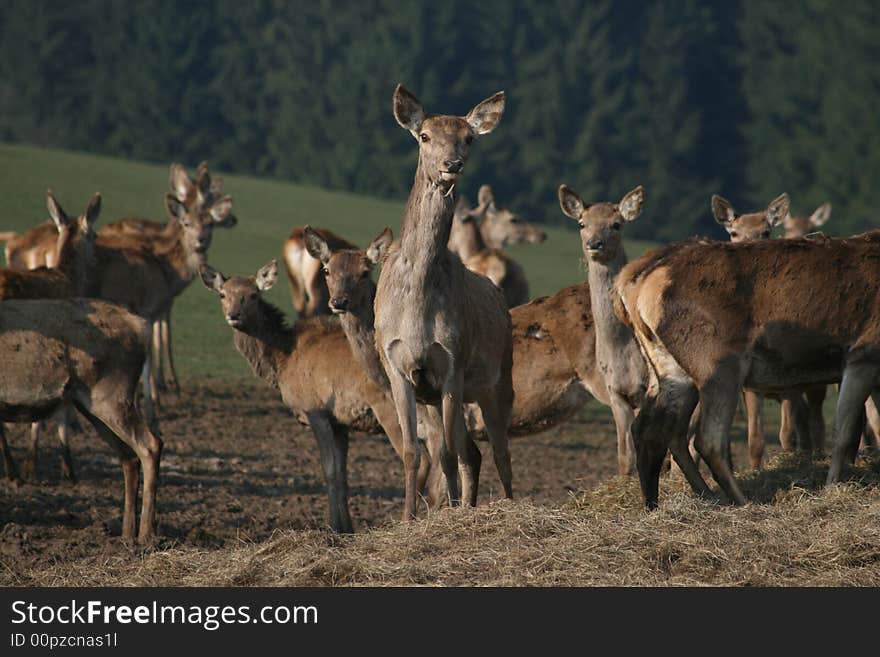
(802, 225)
(146, 275)
(618, 357)
(89, 354)
(443, 332)
(466, 240)
(554, 360)
(31, 249)
(311, 365)
(795, 413)
(500, 227)
(308, 289)
(769, 315)
(75, 238)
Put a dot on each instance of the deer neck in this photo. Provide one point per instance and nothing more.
(610, 331)
(74, 258)
(266, 343)
(359, 327)
(427, 224)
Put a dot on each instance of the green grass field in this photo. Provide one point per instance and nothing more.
(267, 210)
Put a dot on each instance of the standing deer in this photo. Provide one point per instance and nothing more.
(795, 413)
(89, 354)
(501, 227)
(443, 332)
(308, 289)
(311, 365)
(75, 238)
(618, 356)
(467, 242)
(554, 359)
(769, 315)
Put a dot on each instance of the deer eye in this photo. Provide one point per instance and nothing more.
(424, 137)
(326, 271)
(733, 233)
(581, 224)
(223, 295)
(365, 274)
(469, 140)
(616, 225)
(766, 233)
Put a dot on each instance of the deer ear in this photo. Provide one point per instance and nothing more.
(316, 245)
(722, 210)
(180, 182)
(174, 206)
(408, 110)
(94, 209)
(267, 275)
(630, 206)
(203, 182)
(571, 204)
(378, 248)
(221, 213)
(59, 216)
(212, 278)
(778, 209)
(485, 196)
(485, 116)
(821, 215)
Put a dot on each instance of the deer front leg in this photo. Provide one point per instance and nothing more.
(623, 420)
(855, 387)
(405, 404)
(333, 446)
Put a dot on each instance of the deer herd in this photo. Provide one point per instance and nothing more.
(444, 348)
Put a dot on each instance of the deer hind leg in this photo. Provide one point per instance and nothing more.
(816, 418)
(65, 424)
(333, 446)
(8, 461)
(855, 387)
(30, 467)
(156, 355)
(872, 424)
(754, 404)
(718, 398)
(496, 410)
(799, 419)
(679, 398)
(166, 358)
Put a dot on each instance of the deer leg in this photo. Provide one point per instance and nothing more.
(872, 425)
(855, 387)
(651, 449)
(682, 418)
(718, 398)
(385, 413)
(496, 417)
(156, 353)
(171, 379)
(30, 468)
(754, 404)
(333, 447)
(816, 418)
(405, 404)
(8, 461)
(797, 408)
(623, 419)
(65, 420)
(455, 435)
(148, 392)
(435, 486)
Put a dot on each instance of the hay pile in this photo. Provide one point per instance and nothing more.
(796, 533)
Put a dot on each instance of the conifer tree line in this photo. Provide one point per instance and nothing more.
(745, 98)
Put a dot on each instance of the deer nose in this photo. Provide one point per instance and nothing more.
(596, 245)
(339, 303)
(233, 317)
(453, 166)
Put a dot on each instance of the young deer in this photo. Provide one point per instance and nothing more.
(31, 249)
(618, 356)
(308, 289)
(554, 360)
(75, 238)
(466, 240)
(768, 315)
(443, 332)
(89, 354)
(795, 413)
(501, 227)
(310, 364)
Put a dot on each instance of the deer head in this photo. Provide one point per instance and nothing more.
(752, 226)
(203, 191)
(800, 226)
(445, 141)
(501, 226)
(198, 221)
(348, 271)
(240, 295)
(75, 232)
(601, 224)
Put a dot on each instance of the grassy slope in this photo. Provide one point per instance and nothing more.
(267, 210)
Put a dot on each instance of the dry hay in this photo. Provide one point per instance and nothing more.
(795, 533)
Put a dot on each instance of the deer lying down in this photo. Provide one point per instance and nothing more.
(73, 255)
(771, 315)
(90, 354)
(311, 365)
(308, 289)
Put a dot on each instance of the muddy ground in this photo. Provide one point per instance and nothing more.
(237, 467)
